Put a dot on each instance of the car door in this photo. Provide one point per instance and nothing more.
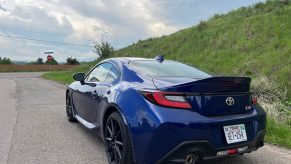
(89, 94)
(107, 92)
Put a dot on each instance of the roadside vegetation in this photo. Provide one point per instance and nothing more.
(252, 41)
(7, 65)
(5, 60)
(39, 61)
(65, 77)
(72, 61)
(273, 98)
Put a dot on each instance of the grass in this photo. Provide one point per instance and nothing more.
(62, 76)
(251, 41)
(66, 77)
(278, 134)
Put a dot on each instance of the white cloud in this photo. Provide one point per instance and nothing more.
(82, 21)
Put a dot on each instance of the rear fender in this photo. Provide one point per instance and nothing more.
(140, 120)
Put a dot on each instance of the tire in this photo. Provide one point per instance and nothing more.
(117, 141)
(69, 110)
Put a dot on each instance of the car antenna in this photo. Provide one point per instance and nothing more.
(160, 58)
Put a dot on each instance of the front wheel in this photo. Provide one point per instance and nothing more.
(69, 110)
(117, 142)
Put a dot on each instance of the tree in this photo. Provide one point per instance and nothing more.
(5, 60)
(72, 61)
(39, 61)
(104, 49)
(51, 62)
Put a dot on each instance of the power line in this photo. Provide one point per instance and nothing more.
(45, 41)
(9, 28)
(18, 30)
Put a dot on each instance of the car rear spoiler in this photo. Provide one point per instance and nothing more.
(220, 84)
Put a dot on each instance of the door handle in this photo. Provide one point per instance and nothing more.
(94, 94)
(108, 92)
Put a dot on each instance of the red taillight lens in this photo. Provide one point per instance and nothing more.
(254, 99)
(172, 100)
(232, 151)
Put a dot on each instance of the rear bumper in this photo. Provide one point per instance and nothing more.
(206, 150)
(160, 132)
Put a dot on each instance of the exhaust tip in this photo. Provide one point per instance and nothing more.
(191, 159)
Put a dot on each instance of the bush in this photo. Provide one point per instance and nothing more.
(105, 49)
(5, 60)
(39, 61)
(284, 1)
(272, 97)
(202, 25)
(72, 61)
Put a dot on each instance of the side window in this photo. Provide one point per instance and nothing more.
(99, 73)
(112, 75)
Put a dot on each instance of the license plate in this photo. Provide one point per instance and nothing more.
(235, 133)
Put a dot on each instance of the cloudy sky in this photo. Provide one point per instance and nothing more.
(121, 22)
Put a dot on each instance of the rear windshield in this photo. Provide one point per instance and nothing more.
(166, 69)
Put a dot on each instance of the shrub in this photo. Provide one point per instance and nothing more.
(284, 1)
(5, 60)
(72, 61)
(39, 61)
(202, 25)
(105, 49)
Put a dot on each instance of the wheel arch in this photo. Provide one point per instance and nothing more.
(109, 110)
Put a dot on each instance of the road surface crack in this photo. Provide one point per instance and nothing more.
(16, 97)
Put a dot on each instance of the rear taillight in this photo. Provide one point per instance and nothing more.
(254, 99)
(167, 99)
(232, 151)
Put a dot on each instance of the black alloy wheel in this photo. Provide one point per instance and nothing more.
(69, 110)
(117, 142)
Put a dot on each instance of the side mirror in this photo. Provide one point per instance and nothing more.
(79, 77)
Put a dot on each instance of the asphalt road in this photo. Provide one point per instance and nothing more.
(34, 129)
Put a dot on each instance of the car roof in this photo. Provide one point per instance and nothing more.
(128, 59)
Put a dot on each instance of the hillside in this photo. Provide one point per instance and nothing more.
(251, 41)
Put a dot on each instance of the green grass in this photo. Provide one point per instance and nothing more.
(251, 41)
(61, 76)
(279, 134)
(66, 77)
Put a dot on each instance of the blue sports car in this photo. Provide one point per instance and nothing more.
(151, 111)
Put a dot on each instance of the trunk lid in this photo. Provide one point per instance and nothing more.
(214, 96)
